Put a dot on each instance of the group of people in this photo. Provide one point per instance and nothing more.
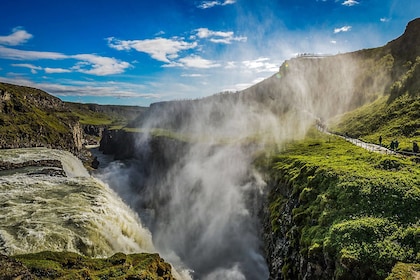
(394, 145)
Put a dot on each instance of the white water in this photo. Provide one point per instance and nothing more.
(76, 213)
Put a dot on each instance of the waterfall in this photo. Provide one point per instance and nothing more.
(76, 213)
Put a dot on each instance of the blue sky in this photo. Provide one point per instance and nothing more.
(136, 52)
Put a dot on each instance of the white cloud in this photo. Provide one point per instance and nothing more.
(30, 66)
(195, 61)
(27, 65)
(161, 49)
(350, 3)
(211, 4)
(86, 88)
(342, 29)
(261, 64)
(192, 75)
(18, 37)
(15, 54)
(219, 36)
(230, 65)
(99, 65)
(333, 42)
(384, 19)
(87, 63)
(56, 70)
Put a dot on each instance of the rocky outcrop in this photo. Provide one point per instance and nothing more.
(47, 166)
(161, 151)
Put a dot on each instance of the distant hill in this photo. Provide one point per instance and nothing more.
(396, 113)
(323, 86)
(30, 117)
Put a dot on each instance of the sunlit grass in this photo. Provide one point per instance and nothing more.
(361, 208)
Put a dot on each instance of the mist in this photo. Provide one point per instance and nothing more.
(198, 190)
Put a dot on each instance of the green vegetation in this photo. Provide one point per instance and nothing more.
(65, 265)
(395, 120)
(393, 116)
(402, 271)
(115, 117)
(357, 208)
(31, 117)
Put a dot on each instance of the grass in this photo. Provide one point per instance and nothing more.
(66, 265)
(360, 208)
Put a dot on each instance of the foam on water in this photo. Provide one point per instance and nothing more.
(76, 213)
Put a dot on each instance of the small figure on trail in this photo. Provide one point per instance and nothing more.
(396, 144)
(415, 147)
(392, 145)
(380, 140)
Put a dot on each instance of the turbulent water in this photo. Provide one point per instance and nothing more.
(75, 212)
(201, 211)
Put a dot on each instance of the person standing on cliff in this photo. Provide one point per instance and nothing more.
(380, 140)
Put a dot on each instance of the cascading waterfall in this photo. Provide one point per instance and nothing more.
(75, 213)
(202, 211)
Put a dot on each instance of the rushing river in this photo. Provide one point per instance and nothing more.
(75, 212)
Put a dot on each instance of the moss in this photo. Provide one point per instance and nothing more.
(404, 271)
(67, 265)
(362, 209)
(393, 120)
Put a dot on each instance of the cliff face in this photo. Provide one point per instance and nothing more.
(30, 117)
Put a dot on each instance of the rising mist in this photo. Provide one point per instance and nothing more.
(201, 199)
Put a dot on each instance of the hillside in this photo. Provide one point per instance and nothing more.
(340, 212)
(30, 117)
(336, 211)
(395, 114)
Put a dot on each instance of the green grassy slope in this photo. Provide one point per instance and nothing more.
(62, 265)
(358, 210)
(396, 113)
(355, 214)
(32, 117)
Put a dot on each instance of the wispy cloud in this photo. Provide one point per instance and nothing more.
(15, 54)
(86, 88)
(350, 3)
(219, 36)
(161, 49)
(195, 61)
(211, 4)
(50, 70)
(192, 75)
(19, 36)
(342, 29)
(261, 64)
(87, 63)
(384, 19)
(29, 66)
(99, 65)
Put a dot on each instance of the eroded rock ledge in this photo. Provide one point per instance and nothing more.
(47, 166)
